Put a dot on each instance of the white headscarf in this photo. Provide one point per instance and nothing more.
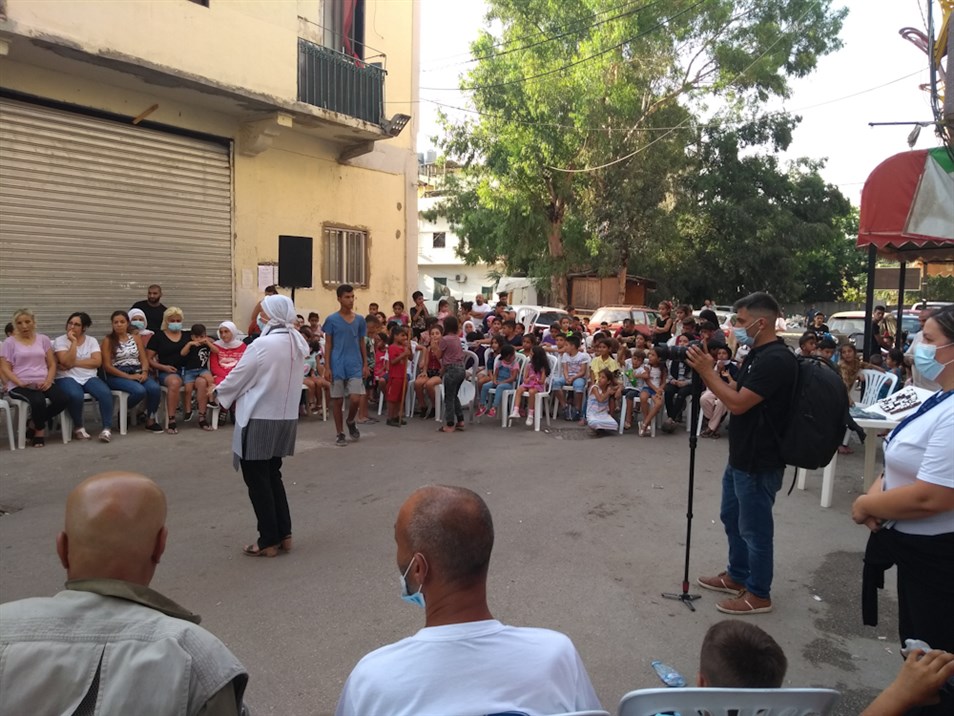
(235, 342)
(281, 314)
(135, 313)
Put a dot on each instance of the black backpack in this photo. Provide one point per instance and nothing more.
(818, 417)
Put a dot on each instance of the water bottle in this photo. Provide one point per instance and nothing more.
(668, 675)
(912, 644)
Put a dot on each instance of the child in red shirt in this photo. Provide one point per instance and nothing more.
(398, 353)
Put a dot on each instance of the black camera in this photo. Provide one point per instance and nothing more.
(667, 352)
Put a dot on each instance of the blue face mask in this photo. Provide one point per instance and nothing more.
(138, 324)
(418, 596)
(261, 324)
(175, 326)
(743, 338)
(925, 362)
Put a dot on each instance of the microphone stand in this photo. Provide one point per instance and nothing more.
(694, 411)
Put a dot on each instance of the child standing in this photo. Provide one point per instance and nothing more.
(398, 353)
(504, 376)
(598, 416)
(534, 381)
(195, 373)
(651, 395)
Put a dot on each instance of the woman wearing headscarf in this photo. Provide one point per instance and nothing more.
(230, 348)
(265, 386)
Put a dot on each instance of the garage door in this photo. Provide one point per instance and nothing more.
(93, 211)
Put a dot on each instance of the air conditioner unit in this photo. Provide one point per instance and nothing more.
(460, 278)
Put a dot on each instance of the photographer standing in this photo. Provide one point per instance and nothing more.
(760, 403)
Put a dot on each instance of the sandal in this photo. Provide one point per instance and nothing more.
(173, 428)
(38, 441)
(203, 423)
(286, 544)
(459, 427)
(253, 550)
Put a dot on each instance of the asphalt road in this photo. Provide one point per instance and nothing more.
(589, 533)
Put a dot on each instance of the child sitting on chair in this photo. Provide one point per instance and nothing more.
(534, 381)
(504, 377)
(196, 374)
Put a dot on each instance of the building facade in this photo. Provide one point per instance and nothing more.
(175, 141)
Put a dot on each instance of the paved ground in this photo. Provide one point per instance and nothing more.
(589, 533)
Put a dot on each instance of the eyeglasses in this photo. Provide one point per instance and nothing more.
(75, 323)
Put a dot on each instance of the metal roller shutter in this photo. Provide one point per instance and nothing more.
(94, 211)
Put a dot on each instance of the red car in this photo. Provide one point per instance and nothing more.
(643, 317)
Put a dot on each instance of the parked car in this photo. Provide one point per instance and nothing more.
(644, 317)
(849, 327)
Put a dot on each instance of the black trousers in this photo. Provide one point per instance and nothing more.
(267, 493)
(675, 398)
(40, 412)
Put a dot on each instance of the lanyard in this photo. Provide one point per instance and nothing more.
(934, 400)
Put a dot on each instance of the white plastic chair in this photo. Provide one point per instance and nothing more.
(467, 392)
(5, 407)
(163, 403)
(875, 380)
(722, 702)
(23, 411)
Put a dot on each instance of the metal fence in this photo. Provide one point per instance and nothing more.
(337, 82)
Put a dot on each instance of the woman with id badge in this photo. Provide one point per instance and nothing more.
(910, 509)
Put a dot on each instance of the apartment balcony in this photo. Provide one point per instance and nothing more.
(340, 83)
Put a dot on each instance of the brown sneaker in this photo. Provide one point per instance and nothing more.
(722, 582)
(745, 603)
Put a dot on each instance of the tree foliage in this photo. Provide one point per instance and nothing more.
(564, 87)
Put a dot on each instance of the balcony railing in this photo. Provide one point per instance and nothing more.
(339, 83)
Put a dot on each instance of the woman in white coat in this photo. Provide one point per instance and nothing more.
(265, 387)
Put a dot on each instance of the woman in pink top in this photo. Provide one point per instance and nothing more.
(230, 350)
(28, 367)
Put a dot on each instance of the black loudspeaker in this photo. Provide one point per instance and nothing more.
(294, 261)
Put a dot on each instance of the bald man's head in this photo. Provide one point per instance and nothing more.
(451, 527)
(115, 528)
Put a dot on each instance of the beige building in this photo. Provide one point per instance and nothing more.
(175, 141)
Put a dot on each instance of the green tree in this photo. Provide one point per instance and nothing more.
(575, 84)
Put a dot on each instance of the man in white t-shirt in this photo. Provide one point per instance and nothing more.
(481, 308)
(463, 661)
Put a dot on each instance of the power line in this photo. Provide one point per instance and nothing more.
(504, 43)
(632, 154)
(572, 64)
(552, 38)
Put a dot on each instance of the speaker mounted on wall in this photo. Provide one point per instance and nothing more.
(294, 261)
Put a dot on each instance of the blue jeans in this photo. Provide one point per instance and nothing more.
(747, 500)
(95, 387)
(498, 395)
(148, 390)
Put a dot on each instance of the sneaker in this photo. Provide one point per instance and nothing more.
(157, 428)
(722, 582)
(353, 431)
(186, 417)
(492, 413)
(745, 603)
(481, 411)
(341, 440)
(515, 415)
(530, 418)
(105, 436)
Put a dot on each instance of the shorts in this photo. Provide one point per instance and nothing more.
(162, 376)
(351, 386)
(190, 374)
(652, 393)
(433, 373)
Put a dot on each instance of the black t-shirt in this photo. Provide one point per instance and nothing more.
(820, 331)
(198, 357)
(168, 352)
(153, 314)
(661, 337)
(770, 371)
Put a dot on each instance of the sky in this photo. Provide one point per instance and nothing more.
(850, 88)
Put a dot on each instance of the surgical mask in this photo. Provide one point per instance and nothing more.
(925, 362)
(175, 326)
(742, 336)
(418, 596)
(261, 323)
(138, 324)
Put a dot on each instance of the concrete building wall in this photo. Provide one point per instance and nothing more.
(296, 186)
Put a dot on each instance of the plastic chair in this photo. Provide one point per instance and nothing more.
(23, 411)
(5, 407)
(506, 404)
(875, 380)
(722, 702)
(213, 420)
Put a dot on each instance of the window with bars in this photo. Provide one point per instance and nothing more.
(345, 254)
(440, 240)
